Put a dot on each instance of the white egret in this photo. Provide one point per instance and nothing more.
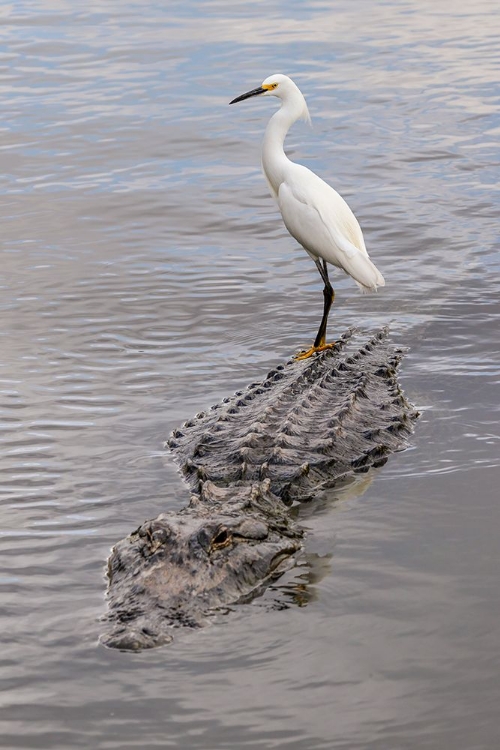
(313, 212)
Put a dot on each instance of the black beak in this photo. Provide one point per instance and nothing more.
(254, 92)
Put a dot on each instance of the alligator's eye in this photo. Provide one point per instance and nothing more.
(221, 539)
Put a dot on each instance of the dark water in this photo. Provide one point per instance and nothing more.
(145, 273)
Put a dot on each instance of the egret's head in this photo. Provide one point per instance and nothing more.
(284, 88)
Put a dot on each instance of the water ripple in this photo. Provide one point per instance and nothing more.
(146, 274)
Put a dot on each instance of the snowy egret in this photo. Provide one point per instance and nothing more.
(313, 212)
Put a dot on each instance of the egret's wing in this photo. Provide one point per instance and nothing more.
(320, 219)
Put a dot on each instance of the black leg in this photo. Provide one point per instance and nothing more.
(328, 297)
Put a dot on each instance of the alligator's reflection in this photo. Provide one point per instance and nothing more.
(298, 586)
(308, 426)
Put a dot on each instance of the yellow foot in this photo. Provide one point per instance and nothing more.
(313, 350)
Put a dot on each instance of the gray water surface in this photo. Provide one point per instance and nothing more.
(145, 274)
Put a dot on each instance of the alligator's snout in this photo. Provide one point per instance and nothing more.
(134, 638)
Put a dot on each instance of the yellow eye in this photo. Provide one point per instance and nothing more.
(274, 85)
(221, 539)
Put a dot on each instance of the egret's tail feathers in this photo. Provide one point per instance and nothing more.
(357, 264)
(364, 272)
(365, 288)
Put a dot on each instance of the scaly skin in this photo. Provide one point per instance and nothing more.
(306, 426)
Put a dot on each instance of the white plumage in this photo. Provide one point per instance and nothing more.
(313, 212)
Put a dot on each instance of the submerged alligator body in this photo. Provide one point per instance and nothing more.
(306, 426)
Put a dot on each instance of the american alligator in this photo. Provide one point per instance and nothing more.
(306, 426)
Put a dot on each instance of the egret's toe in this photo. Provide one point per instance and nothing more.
(313, 350)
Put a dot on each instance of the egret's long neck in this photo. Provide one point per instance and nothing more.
(274, 159)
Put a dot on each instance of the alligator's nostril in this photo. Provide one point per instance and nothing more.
(155, 532)
(161, 535)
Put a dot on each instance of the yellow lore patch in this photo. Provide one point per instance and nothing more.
(269, 86)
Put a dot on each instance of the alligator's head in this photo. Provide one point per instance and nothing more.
(178, 568)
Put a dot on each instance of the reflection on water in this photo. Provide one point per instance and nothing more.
(145, 274)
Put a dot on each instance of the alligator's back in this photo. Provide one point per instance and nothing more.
(307, 423)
